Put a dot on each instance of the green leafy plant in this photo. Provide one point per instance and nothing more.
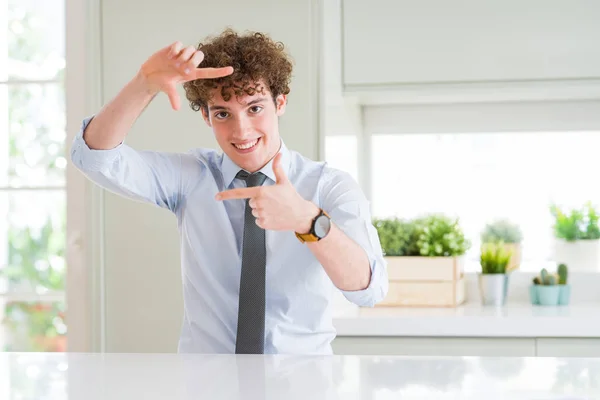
(494, 258)
(501, 230)
(432, 235)
(398, 237)
(35, 254)
(576, 224)
(440, 236)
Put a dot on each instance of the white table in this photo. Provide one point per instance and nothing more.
(76, 376)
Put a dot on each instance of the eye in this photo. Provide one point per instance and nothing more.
(255, 109)
(221, 115)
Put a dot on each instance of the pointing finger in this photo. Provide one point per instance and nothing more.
(207, 73)
(241, 193)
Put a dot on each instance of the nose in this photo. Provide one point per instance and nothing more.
(243, 127)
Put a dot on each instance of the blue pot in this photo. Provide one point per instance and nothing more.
(564, 295)
(548, 295)
(533, 294)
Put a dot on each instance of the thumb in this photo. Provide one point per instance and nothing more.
(173, 97)
(278, 170)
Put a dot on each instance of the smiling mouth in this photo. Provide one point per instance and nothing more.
(246, 146)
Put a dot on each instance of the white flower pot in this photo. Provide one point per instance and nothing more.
(581, 255)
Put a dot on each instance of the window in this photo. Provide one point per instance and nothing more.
(476, 161)
(32, 176)
(341, 153)
(479, 177)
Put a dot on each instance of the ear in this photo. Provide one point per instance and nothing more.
(205, 116)
(280, 103)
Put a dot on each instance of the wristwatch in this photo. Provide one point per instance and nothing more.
(320, 227)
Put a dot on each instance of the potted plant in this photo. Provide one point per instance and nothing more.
(397, 237)
(551, 289)
(577, 237)
(425, 260)
(507, 232)
(493, 278)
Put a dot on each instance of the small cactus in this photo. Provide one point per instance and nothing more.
(544, 276)
(562, 274)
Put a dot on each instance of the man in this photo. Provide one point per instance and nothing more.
(266, 234)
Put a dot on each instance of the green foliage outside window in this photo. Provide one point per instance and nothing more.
(36, 251)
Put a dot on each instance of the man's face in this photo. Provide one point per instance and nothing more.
(247, 128)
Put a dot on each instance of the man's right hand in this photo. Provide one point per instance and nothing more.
(173, 65)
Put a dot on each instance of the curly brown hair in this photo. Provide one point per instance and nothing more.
(254, 56)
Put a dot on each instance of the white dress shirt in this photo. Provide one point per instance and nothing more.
(298, 291)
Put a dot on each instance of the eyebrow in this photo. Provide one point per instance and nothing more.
(259, 100)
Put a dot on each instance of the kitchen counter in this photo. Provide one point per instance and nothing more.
(472, 320)
(78, 376)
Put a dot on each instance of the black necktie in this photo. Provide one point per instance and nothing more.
(251, 312)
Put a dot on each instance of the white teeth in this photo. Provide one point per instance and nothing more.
(247, 145)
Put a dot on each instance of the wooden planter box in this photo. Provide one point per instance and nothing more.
(425, 282)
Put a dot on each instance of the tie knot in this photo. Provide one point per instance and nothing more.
(255, 179)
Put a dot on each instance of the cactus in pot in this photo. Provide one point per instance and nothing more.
(550, 289)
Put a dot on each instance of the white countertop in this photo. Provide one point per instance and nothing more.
(77, 376)
(472, 320)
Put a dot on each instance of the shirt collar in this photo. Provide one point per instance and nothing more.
(229, 169)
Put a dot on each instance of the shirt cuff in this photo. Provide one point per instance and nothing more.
(89, 159)
(377, 289)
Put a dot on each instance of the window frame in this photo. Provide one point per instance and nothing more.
(7, 296)
(570, 110)
(84, 294)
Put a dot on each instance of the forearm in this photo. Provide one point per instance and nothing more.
(112, 123)
(345, 261)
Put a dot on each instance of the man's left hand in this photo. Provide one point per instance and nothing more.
(278, 207)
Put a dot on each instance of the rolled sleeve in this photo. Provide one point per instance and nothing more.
(90, 160)
(349, 210)
(377, 289)
(154, 177)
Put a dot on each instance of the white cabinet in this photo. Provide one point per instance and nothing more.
(388, 42)
(568, 347)
(465, 346)
(430, 346)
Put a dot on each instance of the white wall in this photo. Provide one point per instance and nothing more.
(142, 283)
(469, 41)
(380, 52)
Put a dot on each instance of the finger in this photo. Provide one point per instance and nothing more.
(193, 62)
(174, 49)
(260, 223)
(185, 56)
(196, 59)
(174, 98)
(252, 203)
(278, 169)
(208, 73)
(241, 193)
(256, 213)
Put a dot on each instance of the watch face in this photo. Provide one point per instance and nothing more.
(322, 226)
